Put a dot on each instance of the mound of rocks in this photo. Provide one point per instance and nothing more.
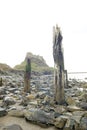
(39, 106)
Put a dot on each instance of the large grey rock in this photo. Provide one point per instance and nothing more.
(39, 116)
(13, 127)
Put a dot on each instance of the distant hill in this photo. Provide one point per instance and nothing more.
(4, 67)
(38, 64)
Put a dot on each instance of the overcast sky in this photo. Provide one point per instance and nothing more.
(27, 25)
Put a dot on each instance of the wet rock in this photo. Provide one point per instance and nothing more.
(17, 92)
(83, 97)
(47, 100)
(72, 108)
(60, 122)
(79, 113)
(83, 124)
(35, 103)
(9, 100)
(2, 91)
(30, 96)
(12, 90)
(3, 112)
(13, 127)
(70, 101)
(83, 105)
(69, 114)
(39, 116)
(71, 125)
(11, 84)
(60, 109)
(24, 101)
(1, 103)
(16, 113)
(2, 97)
(41, 95)
(77, 118)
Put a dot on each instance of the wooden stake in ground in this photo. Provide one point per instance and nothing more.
(1, 82)
(58, 65)
(27, 76)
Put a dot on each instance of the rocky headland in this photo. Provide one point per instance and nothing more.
(37, 62)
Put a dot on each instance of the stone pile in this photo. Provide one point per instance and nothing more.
(39, 106)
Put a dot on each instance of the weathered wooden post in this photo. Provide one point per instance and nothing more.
(27, 76)
(1, 82)
(58, 65)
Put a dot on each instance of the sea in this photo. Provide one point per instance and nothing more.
(78, 76)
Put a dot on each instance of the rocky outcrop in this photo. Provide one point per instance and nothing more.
(38, 64)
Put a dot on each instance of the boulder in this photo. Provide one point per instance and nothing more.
(39, 116)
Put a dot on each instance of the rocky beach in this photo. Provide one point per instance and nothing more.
(38, 109)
